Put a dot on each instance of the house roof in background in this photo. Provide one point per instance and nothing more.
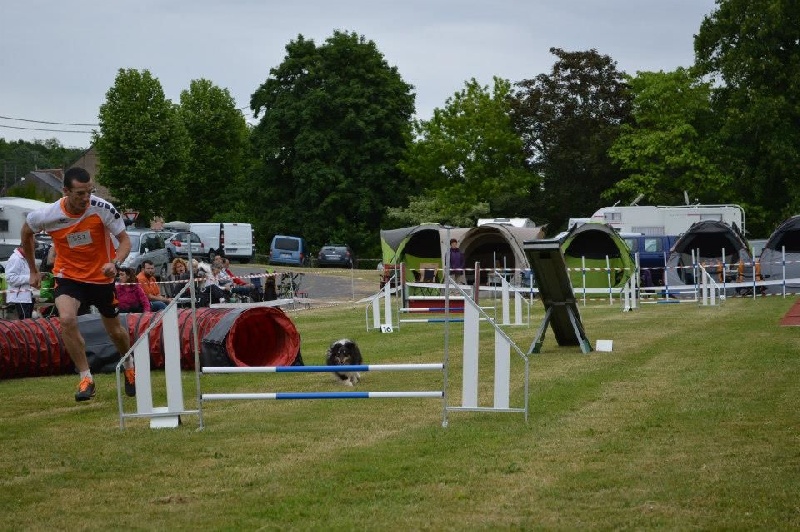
(49, 178)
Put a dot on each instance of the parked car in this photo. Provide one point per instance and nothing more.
(43, 243)
(290, 250)
(335, 255)
(147, 244)
(177, 245)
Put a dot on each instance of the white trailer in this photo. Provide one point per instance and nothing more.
(511, 222)
(657, 220)
(12, 216)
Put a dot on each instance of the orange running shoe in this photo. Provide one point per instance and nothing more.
(85, 390)
(130, 382)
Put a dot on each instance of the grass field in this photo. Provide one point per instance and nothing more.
(692, 422)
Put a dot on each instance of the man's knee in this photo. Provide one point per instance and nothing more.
(68, 323)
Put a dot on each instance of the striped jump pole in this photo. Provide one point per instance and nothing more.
(323, 369)
(428, 309)
(432, 320)
(320, 395)
(324, 395)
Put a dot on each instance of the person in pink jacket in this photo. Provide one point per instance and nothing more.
(130, 296)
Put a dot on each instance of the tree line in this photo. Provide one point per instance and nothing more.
(337, 154)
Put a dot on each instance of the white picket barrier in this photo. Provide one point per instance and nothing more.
(374, 302)
(505, 302)
(168, 416)
(473, 315)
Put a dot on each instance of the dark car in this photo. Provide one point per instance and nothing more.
(43, 243)
(335, 255)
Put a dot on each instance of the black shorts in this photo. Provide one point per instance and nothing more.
(102, 296)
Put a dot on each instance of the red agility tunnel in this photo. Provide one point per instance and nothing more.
(32, 348)
(256, 336)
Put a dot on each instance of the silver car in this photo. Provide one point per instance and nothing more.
(177, 245)
(148, 244)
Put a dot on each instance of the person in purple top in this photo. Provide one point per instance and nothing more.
(456, 262)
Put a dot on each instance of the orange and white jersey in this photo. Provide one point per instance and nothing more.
(82, 242)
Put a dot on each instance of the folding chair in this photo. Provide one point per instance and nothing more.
(428, 274)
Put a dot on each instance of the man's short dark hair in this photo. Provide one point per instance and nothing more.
(147, 261)
(75, 174)
(453, 240)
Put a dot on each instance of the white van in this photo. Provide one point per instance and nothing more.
(233, 240)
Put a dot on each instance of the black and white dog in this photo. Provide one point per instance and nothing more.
(345, 352)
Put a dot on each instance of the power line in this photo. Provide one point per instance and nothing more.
(46, 122)
(47, 129)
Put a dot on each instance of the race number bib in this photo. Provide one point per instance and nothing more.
(81, 238)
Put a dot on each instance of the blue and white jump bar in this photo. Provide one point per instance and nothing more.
(323, 369)
(320, 395)
(432, 320)
(459, 309)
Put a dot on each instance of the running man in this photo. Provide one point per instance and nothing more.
(80, 224)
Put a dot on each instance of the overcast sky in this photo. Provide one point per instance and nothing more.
(60, 57)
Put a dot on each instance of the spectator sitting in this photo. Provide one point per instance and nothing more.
(177, 279)
(130, 296)
(240, 286)
(216, 286)
(147, 279)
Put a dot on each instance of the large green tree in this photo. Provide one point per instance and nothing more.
(568, 120)
(752, 52)
(467, 159)
(335, 122)
(669, 148)
(218, 137)
(142, 145)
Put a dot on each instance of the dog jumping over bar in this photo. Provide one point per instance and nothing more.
(345, 352)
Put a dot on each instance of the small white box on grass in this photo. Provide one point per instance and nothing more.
(604, 346)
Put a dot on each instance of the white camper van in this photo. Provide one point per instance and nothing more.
(660, 220)
(511, 222)
(12, 216)
(233, 240)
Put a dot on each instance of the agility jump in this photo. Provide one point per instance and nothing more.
(169, 416)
